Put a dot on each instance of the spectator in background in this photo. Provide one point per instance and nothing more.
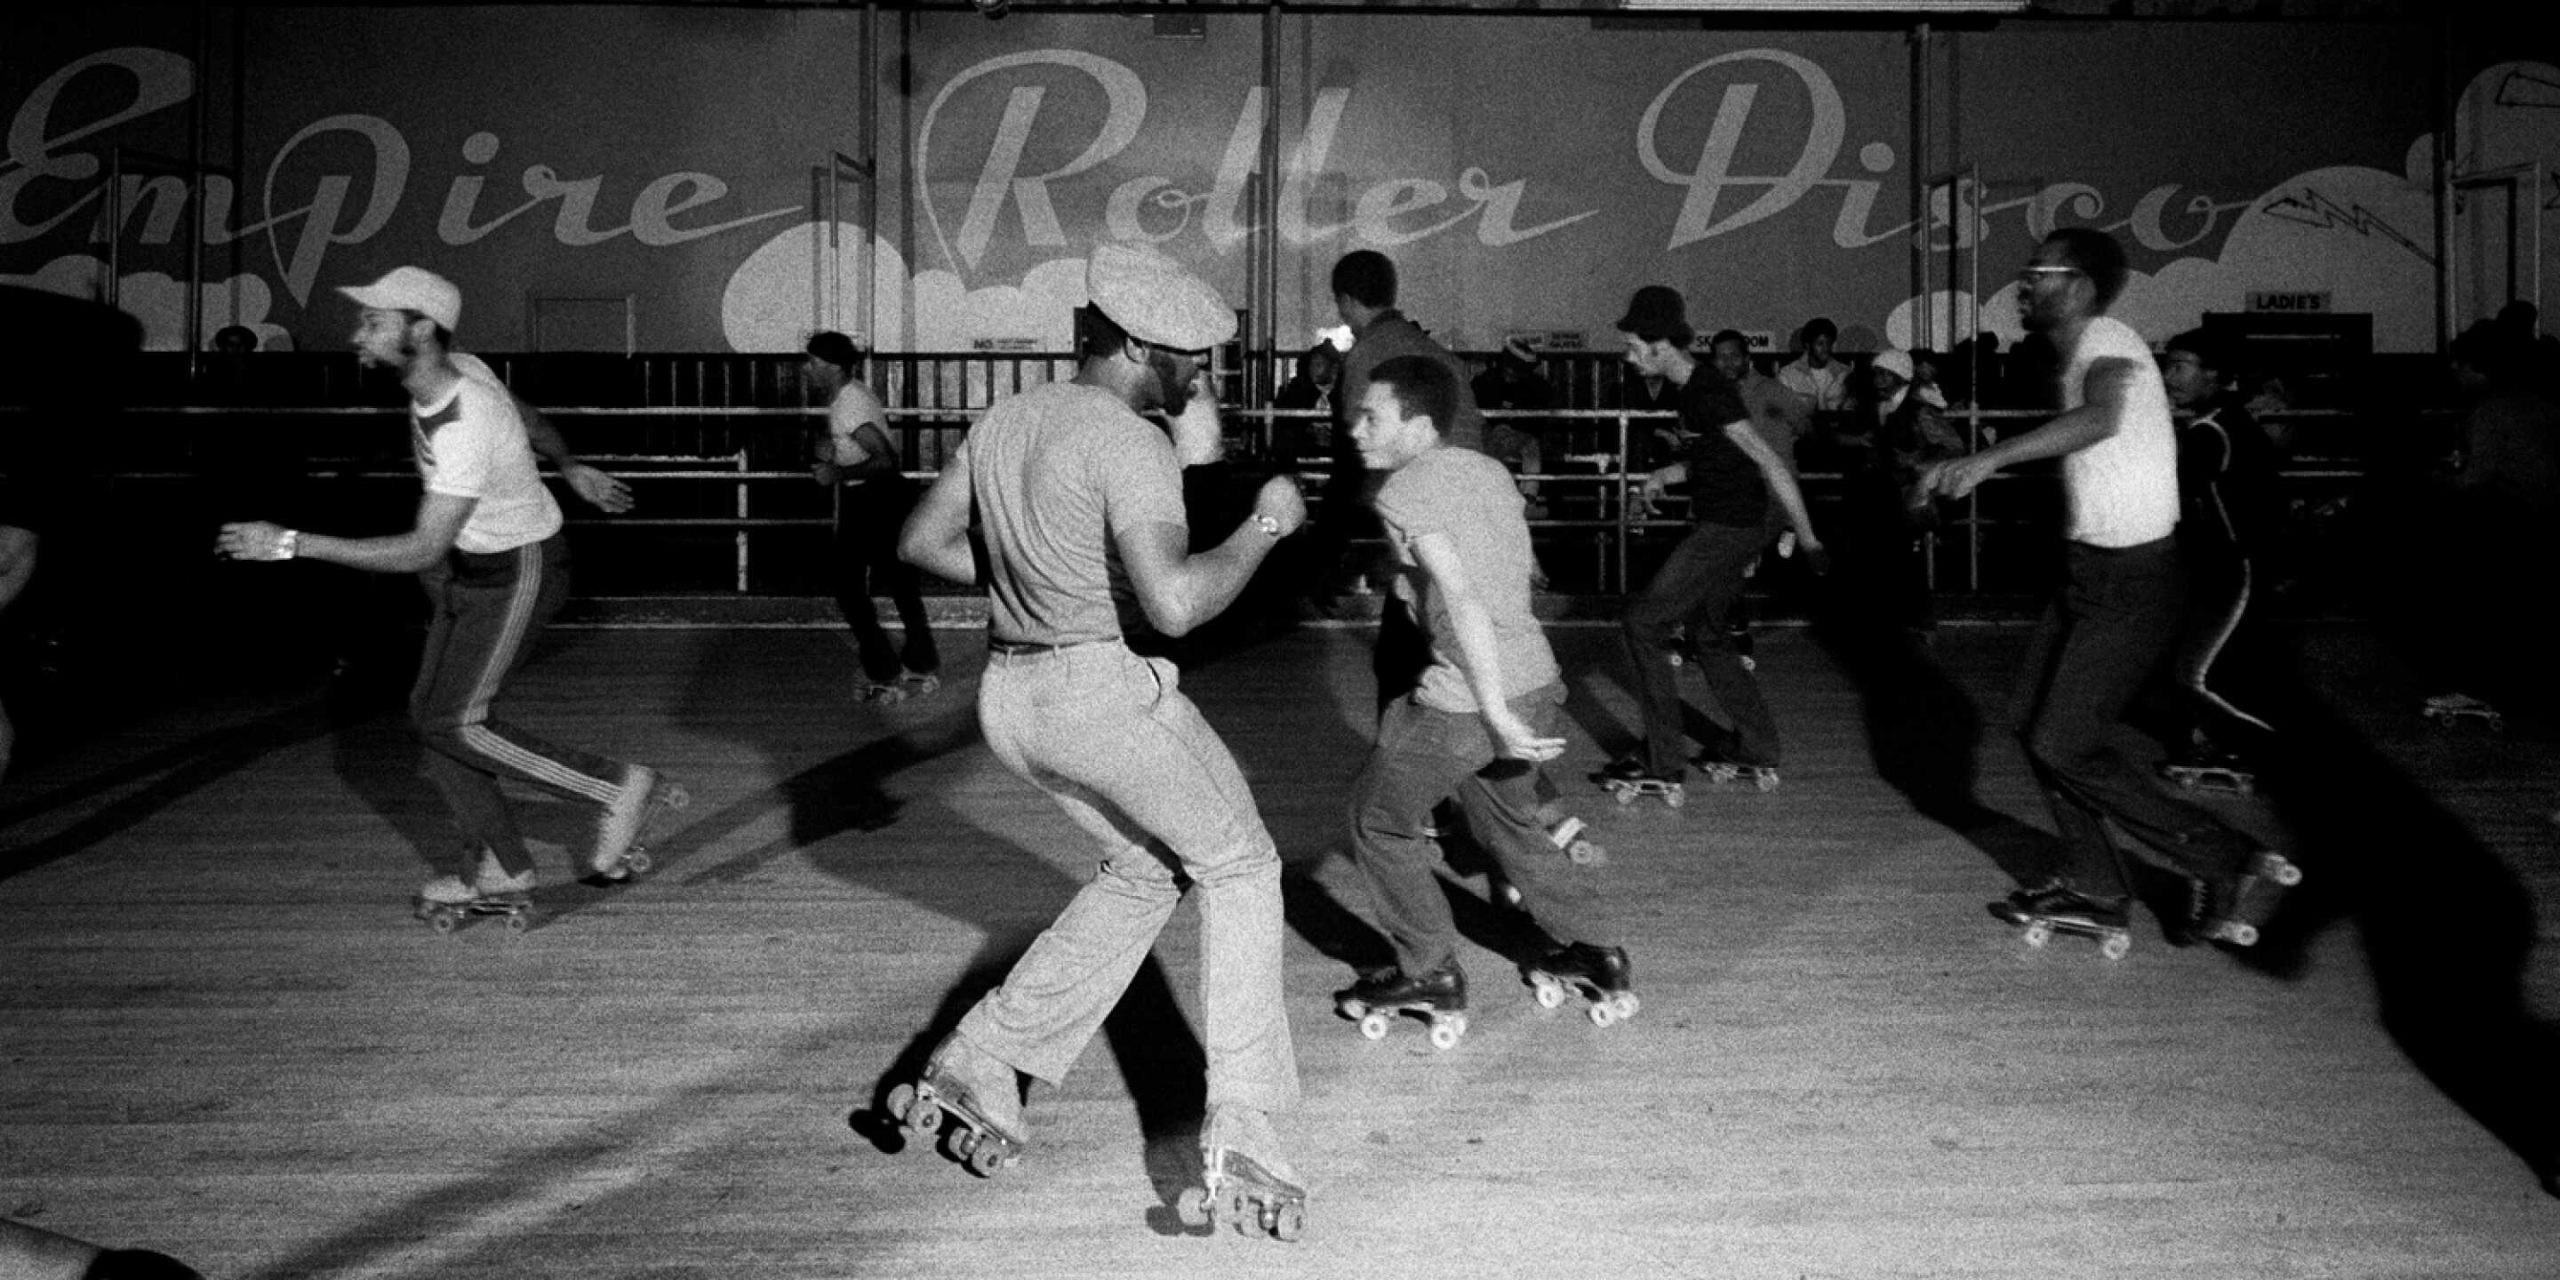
(1309, 388)
(2501, 508)
(1885, 519)
(1513, 383)
(235, 340)
(1815, 375)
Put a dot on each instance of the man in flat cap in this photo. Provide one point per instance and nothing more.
(1732, 475)
(487, 546)
(1079, 502)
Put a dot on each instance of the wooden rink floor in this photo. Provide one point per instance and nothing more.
(223, 1036)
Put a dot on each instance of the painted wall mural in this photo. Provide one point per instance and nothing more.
(1526, 173)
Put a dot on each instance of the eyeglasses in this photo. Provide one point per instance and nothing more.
(2027, 275)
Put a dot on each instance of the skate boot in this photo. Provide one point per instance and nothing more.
(1439, 996)
(621, 850)
(2236, 907)
(1246, 1183)
(981, 1097)
(1601, 975)
(448, 902)
(1718, 770)
(2449, 709)
(2204, 768)
(1630, 776)
(2058, 908)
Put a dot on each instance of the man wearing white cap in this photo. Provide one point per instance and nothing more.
(1079, 500)
(488, 549)
(1892, 435)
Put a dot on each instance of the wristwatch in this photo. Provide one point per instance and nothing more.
(1268, 524)
(288, 544)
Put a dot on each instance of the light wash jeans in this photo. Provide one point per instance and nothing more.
(1110, 737)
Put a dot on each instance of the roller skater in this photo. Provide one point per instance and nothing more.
(1733, 478)
(1076, 500)
(1478, 723)
(2119, 612)
(487, 546)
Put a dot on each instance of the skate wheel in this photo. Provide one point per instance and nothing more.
(676, 797)
(1626, 1004)
(443, 921)
(1765, 781)
(2281, 871)
(1601, 1014)
(1445, 1034)
(2039, 933)
(1624, 797)
(519, 921)
(1373, 1025)
(637, 862)
(2116, 947)
(2240, 934)
(1583, 853)
(1232, 1210)
(1192, 1206)
(1550, 993)
(1675, 798)
(1289, 1221)
(925, 1117)
(986, 1158)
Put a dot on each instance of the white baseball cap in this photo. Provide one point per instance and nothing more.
(1896, 361)
(411, 289)
(1152, 298)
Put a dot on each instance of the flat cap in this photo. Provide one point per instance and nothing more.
(1895, 361)
(1155, 300)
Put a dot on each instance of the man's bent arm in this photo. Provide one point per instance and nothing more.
(936, 536)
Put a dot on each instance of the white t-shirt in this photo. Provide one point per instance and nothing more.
(853, 407)
(471, 444)
(2123, 490)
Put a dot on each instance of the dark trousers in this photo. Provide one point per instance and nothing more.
(487, 611)
(1697, 586)
(867, 561)
(1424, 756)
(2106, 635)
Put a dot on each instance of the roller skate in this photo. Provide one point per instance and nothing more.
(2448, 710)
(978, 1094)
(621, 850)
(446, 903)
(918, 684)
(1715, 769)
(1567, 833)
(2218, 771)
(1246, 1183)
(2057, 908)
(1626, 778)
(2235, 908)
(1440, 997)
(1601, 975)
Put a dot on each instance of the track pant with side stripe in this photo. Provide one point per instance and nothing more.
(487, 611)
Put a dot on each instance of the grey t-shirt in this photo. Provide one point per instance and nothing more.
(1055, 471)
(1472, 499)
